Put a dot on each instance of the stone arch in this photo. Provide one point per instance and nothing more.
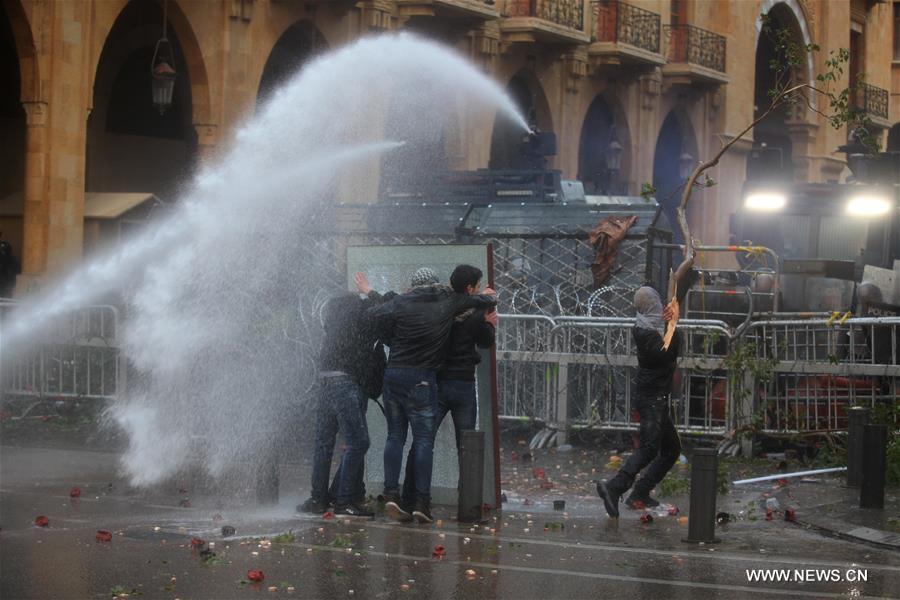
(18, 85)
(20, 29)
(799, 25)
(893, 138)
(294, 47)
(604, 121)
(108, 13)
(528, 94)
(130, 146)
(676, 137)
(782, 139)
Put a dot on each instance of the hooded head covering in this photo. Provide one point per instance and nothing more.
(423, 276)
(649, 309)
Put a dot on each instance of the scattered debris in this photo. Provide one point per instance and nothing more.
(503, 498)
(538, 473)
(471, 574)
(197, 543)
(673, 510)
(646, 518)
(328, 515)
(790, 515)
(185, 503)
(75, 492)
(723, 518)
(438, 552)
(227, 531)
(255, 575)
(41, 521)
(103, 535)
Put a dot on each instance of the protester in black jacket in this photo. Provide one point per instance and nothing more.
(660, 446)
(351, 370)
(472, 329)
(417, 325)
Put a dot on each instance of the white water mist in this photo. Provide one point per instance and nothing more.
(221, 294)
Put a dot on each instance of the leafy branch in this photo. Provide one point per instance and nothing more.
(786, 93)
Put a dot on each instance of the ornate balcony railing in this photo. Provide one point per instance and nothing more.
(871, 100)
(616, 21)
(690, 44)
(568, 13)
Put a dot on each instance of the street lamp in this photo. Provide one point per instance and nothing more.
(161, 72)
(685, 165)
(613, 162)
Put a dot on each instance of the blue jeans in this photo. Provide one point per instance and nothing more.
(458, 397)
(410, 401)
(341, 408)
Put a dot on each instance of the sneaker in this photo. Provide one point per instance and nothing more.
(610, 499)
(354, 510)
(312, 506)
(636, 502)
(422, 512)
(394, 508)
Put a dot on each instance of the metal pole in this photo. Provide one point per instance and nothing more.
(871, 489)
(267, 483)
(471, 476)
(859, 418)
(704, 472)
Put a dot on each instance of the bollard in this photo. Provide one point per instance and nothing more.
(471, 476)
(702, 518)
(871, 489)
(267, 483)
(859, 418)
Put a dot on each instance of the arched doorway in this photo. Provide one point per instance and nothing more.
(772, 157)
(675, 154)
(893, 139)
(300, 42)
(603, 164)
(12, 137)
(131, 146)
(507, 135)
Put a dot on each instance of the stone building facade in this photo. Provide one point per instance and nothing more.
(667, 81)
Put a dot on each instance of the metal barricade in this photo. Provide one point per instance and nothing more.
(75, 356)
(808, 372)
(578, 371)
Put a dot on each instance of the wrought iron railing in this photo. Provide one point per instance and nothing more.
(568, 13)
(690, 44)
(871, 100)
(620, 22)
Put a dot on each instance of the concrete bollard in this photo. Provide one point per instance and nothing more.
(859, 418)
(267, 482)
(471, 476)
(702, 518)
(871, 489)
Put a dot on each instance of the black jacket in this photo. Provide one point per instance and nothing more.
(351, 342)
(655, 365)
(416, 325)
(469, 330)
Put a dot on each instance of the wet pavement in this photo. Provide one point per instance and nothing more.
(527, 551)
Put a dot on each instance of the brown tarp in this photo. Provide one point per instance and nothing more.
(605, 239)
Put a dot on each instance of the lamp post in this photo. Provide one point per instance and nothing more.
(161, 71)
(613, 163)
(685, 165)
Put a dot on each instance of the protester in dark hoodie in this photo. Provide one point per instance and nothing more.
(418, 325)
(472, 329)
(351, 369)
(660, 445)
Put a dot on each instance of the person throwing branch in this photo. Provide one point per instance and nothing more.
(660, 445)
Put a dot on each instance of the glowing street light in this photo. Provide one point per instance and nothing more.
(765, 201)
(868, 205)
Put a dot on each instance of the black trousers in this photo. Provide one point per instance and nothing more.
(660, 448)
